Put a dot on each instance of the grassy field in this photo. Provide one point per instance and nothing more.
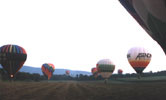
(143, 79)
(72, 90)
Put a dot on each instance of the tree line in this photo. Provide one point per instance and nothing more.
(24, 76)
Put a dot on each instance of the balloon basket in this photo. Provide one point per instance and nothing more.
(105, 81)
(139, 76)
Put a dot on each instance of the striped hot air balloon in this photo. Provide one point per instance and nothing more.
(48, 69)
(105, 68)
(139, 58)
(12, 58)
(94, 72)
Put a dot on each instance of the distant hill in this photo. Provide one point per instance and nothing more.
(32, 70)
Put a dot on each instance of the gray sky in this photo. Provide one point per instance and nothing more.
(75, 34)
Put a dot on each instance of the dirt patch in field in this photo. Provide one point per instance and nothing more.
(82, 91)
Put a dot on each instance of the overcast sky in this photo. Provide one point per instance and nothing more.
(75, 34)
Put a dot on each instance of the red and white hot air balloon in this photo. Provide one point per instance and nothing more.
(67, 72)
(139, 58)
(94, 72)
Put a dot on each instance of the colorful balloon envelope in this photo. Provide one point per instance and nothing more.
(94, 72)
(120, 71)
(67, 72)
(139, 58)
(12, 58)
(151, 15)
(48, 70)
(105, 68)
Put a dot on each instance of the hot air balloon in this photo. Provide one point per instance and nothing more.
(105, 68)
(67, 72)
(94, 72)
(12, 58)
(139, 58)
(48, 69)
(151, 15)
(120, 71)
